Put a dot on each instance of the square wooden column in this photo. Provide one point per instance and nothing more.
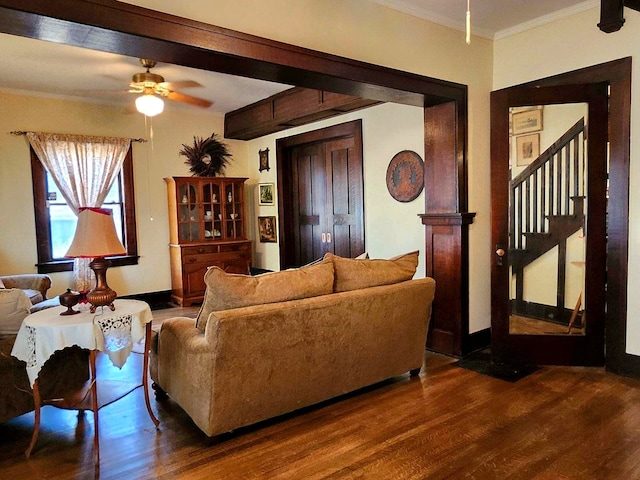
(446, 226)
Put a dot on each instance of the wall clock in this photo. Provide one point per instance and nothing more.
(405, 176)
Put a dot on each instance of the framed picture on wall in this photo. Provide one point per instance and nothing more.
(527, 121)
(266, 194)
(267, 229)
(264, 160)
(527, 149)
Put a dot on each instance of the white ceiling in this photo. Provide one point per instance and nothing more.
(37, 67)
(490, 18)
(29, 66)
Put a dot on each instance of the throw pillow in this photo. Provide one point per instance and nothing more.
(228, 290)
(14, 307)
(354, 274)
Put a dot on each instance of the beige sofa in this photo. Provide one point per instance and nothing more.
(34, 285)
(321, 331)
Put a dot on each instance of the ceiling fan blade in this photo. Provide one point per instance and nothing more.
(181, 97)
(180, 85)
(98, 92)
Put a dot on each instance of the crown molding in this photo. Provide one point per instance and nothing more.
(552, 17)
(406, 7)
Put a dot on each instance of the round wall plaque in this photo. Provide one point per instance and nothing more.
(405, 176)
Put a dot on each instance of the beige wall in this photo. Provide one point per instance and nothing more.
(391, 227)
(369, 32)
(152, 162)
(357, 29)
(568, 44)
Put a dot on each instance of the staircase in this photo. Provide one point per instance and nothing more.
(547, 206)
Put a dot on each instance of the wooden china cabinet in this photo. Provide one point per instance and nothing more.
(206, 228)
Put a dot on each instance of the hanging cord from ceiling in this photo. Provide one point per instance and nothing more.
(468, 23)
(148, 127)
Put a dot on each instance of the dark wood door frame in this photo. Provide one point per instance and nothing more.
(617, 74)
(116, 27)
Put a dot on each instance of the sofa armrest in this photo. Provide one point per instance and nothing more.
(184, 331)
(30, 281)
(185, 363)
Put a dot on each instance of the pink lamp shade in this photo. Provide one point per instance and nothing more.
(96, 238)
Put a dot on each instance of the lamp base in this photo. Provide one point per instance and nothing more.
(102, 295)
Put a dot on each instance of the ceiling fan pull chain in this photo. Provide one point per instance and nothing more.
(468, 23)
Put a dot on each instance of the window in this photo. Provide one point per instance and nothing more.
(56, 223)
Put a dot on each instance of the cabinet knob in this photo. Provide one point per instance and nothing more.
(201, 250)
(500, 252)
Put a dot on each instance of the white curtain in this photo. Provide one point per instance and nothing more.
(83, 168)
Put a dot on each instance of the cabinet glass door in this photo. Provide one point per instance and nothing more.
(189, 215)
(212, 209)
(233, 210)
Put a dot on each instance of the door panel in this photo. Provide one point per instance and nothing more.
(510, 233)
(308, 173)
(344, 198)
(320, 189)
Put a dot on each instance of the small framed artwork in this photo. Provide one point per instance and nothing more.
(527, 121)
(264, 160)
(267, 229)
(266, 193)
(527, 149)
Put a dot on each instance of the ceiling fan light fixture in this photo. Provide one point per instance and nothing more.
(149, 105)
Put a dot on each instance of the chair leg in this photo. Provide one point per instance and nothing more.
(95, 408)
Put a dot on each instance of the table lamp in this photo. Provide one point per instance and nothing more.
(96, 238)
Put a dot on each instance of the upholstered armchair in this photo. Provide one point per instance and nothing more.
(35, 285)
(65, 370)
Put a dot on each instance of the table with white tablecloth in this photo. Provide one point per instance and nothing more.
(113, 332)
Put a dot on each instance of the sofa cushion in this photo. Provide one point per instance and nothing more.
(35, 296)
(353, 274)
(14, 307)
(228, 290)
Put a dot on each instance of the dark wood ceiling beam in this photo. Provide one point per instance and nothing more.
(117, 27)
(633, 4)
(611, 15)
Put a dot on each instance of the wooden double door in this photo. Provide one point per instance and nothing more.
(320, 178)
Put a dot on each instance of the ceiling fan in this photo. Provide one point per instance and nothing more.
(153, 87)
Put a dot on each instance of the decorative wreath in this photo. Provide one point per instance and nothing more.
(208, 157)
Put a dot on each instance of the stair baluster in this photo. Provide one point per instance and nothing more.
(547, 205)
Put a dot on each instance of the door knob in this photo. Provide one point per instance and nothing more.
(500, 252)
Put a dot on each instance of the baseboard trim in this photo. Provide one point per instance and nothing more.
(627, 365)
(152, 298)
(477, 341)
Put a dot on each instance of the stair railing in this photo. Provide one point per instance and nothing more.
(547, 185)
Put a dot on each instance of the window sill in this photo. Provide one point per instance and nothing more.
(67, 264)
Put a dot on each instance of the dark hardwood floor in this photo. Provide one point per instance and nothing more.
(448, 423)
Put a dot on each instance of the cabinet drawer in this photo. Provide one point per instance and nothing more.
(199, 250)
(236, 247)
(215, 258)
